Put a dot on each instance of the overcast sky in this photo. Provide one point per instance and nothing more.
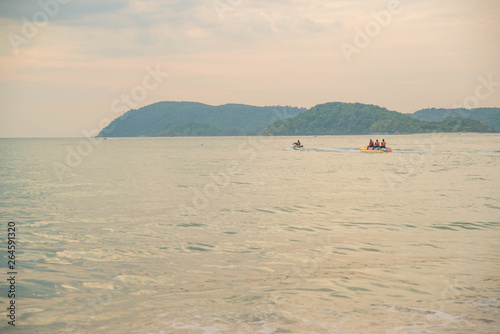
(69, 66)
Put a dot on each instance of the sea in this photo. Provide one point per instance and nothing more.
(206, 235)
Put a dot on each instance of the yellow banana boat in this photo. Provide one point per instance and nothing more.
(375, 149)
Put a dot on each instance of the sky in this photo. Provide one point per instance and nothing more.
(68, 67)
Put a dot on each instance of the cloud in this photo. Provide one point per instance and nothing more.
(66, 11)
(139, 27)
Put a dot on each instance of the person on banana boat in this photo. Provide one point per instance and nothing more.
(377, 144)
(382, 145)
(371, 144)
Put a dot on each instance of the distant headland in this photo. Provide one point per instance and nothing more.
(172, 119)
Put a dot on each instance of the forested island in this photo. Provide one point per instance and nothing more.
(172, 119)
(489, 116)
(337, 118)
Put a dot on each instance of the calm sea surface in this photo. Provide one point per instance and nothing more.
(245, 235)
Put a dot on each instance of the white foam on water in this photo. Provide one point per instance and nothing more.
(493, 302)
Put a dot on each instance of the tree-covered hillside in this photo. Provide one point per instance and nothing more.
(196, 119)
(338, 118)
(488, 116)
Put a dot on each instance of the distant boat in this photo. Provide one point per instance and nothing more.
(295, 146)
(375, 149)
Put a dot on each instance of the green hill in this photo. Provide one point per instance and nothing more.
(338, 118)
(488, 116)
(196, 119)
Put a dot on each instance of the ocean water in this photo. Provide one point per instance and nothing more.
(246, 235)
